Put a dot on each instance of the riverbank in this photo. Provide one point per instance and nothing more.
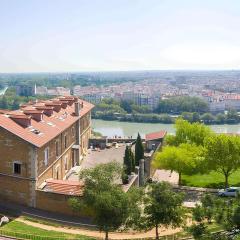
(232, 117)
(126, 129)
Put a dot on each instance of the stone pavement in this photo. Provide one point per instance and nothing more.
(165, 175)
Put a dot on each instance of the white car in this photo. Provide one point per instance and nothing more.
(229, 192)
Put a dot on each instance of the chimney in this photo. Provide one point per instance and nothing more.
(35, 114)
(77, 108)
(69, 99)
(23, 120)
(64, 103)
(56, 106)
(46, 110)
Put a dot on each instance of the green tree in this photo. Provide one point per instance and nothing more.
(184, 159)
(126, 105)
(139, 150)
(132, 160)
(223, 154)
(207, 118)
(182, 104)
(232, 116)
(220, 118)
(194, 133)
(163, 207)
(127, 160)
(104, 197)
(208, 202)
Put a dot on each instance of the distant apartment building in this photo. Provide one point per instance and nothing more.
(39, 145)
(141, 99)
(93, 98)
(57, 91)
(232, 101)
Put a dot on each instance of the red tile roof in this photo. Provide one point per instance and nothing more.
(47, 129)
(66, 187)
(155, 135)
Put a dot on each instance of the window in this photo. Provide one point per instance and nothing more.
(46, 156)
(65, 141)
(17, 168)
(57, 148)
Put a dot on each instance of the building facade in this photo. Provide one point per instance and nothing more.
(41, 141)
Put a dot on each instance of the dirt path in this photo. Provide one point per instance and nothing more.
(96, 234)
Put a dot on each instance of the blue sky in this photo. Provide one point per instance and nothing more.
(99, 35)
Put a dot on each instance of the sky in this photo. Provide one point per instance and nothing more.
(121, 35)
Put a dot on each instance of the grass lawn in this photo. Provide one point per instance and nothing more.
(211, 180)
(18, 228)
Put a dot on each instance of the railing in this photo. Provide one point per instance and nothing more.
(19, 235)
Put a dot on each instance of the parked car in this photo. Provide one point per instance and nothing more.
(229, 192)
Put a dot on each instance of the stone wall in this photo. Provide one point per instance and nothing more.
(54, 202)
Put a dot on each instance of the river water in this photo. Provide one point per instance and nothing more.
(127, 129)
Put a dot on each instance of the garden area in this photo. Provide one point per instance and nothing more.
(201, 157)
(21, 230)
(211, 180)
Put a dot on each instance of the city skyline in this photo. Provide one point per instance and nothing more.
(83, 36)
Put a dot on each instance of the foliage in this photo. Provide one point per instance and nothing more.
(208, 118)
(223, 154)
(109, 204)
(193, 133)
(139, 150)
(163, 207)
(182, 104)
(184, 159)
(128, 161)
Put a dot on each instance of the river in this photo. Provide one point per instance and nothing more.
(126, 129)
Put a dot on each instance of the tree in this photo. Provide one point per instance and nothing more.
(207, 118)
(199, 228)
(182, 104)
(223, 154)
(232, 116)
(194, 133)
(126, 105)
(132, 160)
(109, 204)
(139, 150)
(220, 118)
(184, 159)
(127, 161)
(163, 207)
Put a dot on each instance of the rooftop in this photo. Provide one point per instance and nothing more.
(39, 127)
(155, 135)
(65, 187)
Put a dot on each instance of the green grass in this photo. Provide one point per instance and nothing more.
(20, 229)
(211, 180)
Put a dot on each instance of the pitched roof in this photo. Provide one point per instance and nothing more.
(74, 188)
(40, 132)
(155, 135)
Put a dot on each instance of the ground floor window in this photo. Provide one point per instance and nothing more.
(17, 168)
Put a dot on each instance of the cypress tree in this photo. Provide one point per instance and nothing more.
(139, 150)
(127, 161)
(132, 160)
